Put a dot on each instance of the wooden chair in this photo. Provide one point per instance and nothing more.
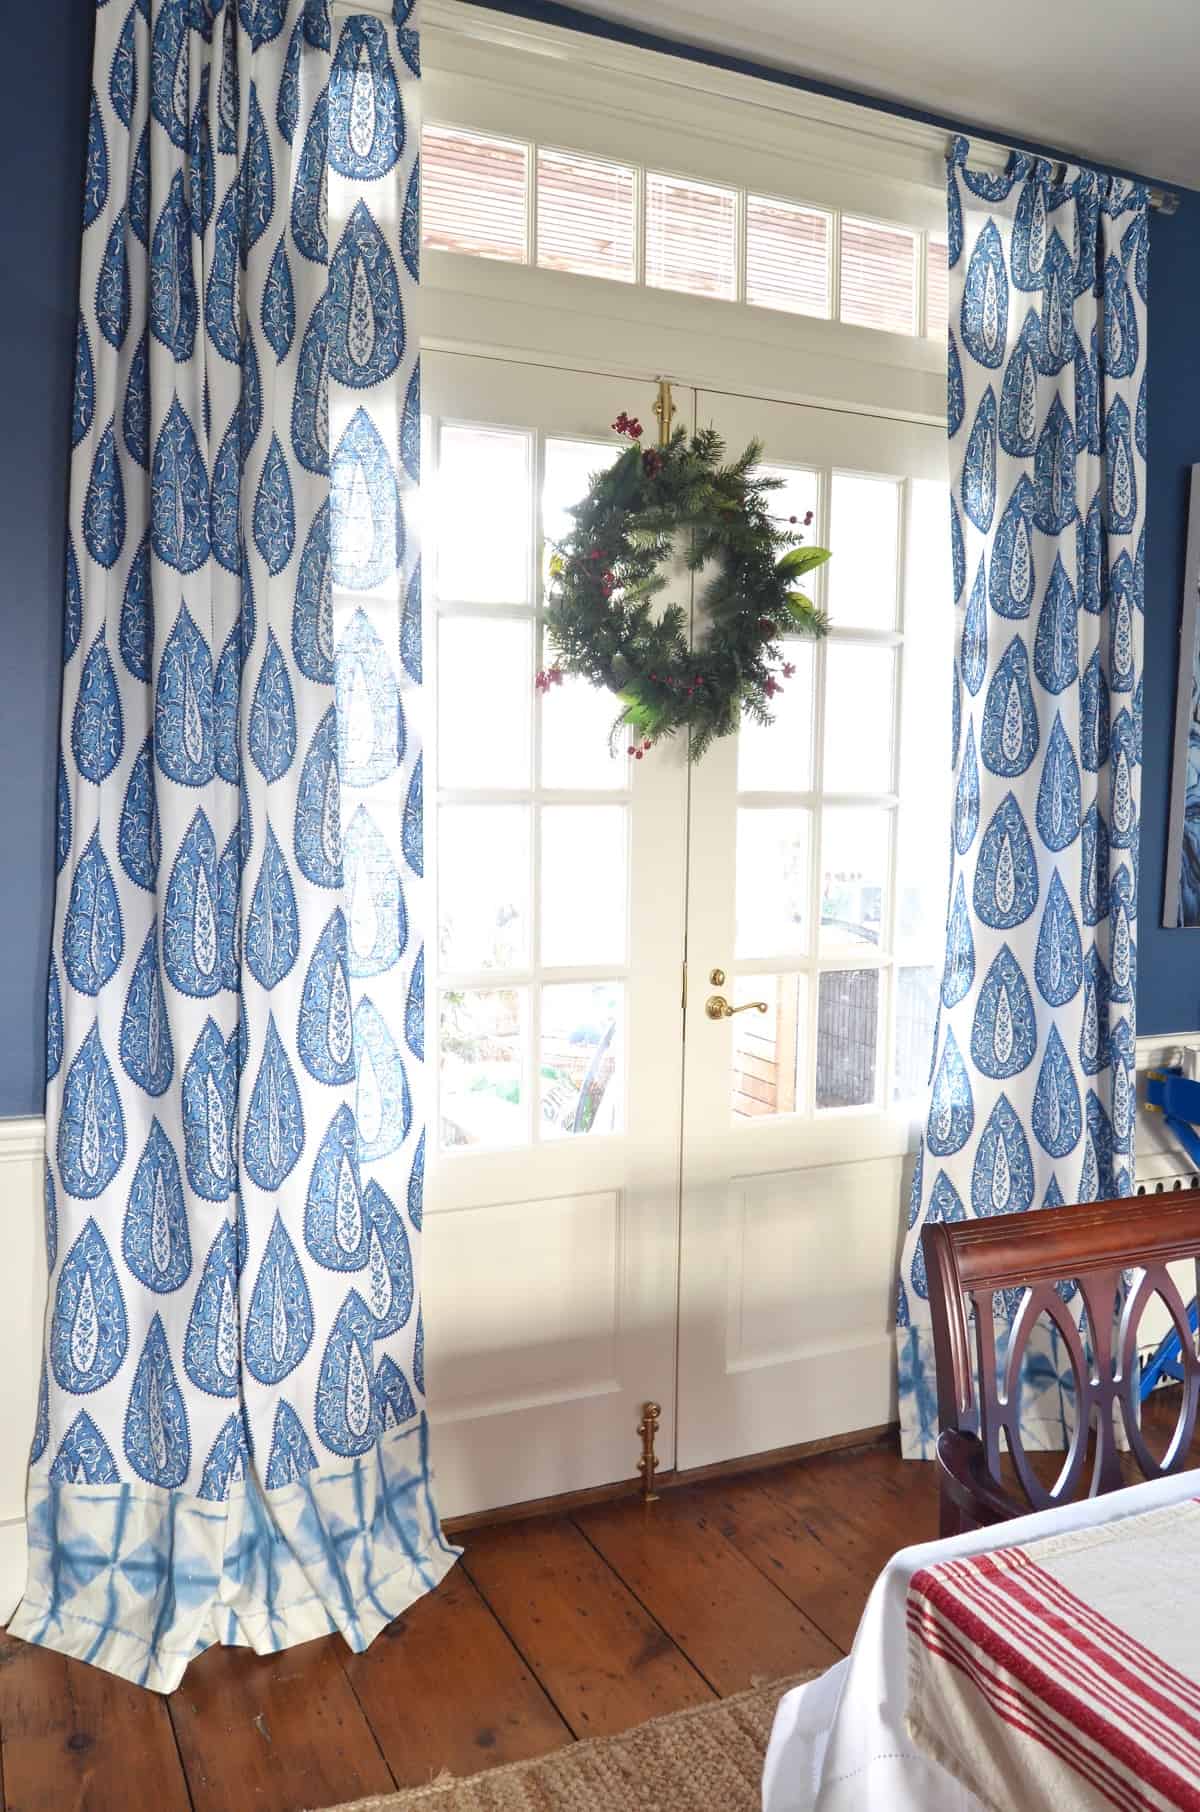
(1095, 1245)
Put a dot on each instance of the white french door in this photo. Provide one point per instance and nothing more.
(817, 875)
(551, 1230)
(628, 1199)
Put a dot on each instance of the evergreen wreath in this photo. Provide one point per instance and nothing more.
(600, 618)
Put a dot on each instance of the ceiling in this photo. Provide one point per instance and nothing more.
(1110, 82)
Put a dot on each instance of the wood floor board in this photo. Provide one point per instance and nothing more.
(75, 1739)
(276, 1733)
(444, 1687)
(729, 1619)
(601, 1657)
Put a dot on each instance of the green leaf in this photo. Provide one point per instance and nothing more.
(800, 560)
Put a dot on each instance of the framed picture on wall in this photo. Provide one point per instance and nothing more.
(1181, 898)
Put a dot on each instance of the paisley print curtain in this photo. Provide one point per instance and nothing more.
(230, 1442)
(1032, 1101)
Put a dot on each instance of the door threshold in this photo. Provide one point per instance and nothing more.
(568, 1501)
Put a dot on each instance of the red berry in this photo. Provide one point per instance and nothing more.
(631, 750)
(646, 744)
(791, 519)
(637, 754)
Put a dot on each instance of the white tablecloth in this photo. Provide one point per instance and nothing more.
(840, 1743)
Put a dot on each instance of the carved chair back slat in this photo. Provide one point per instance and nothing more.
(1116, 1256)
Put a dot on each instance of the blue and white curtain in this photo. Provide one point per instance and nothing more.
(231, 1444)
(1033, 1070)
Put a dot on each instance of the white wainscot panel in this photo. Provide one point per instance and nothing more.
(522, 1304)
(812, 1286)
(21, 1165)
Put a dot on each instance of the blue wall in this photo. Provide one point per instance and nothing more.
(43, 106)
(43, 93)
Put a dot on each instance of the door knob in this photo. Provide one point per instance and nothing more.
(717, 1007)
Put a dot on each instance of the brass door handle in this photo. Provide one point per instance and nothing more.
(717, 1007)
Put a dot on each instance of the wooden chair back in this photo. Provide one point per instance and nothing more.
(1117, 1254)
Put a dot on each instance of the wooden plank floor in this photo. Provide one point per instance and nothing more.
(552, 1629)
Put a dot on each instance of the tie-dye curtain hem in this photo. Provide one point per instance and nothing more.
(230, 1442)
(1032, 1082)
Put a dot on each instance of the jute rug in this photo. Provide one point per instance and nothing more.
(708, 1759)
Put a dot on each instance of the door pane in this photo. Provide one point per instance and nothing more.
(777, 758)
(854, 874)
(863, 531)
(483, 1060)
(691, 237)
(576, 721)
(584, 860)
(483, 514)
(582, 1062)
(916, 1014)
(860, 684)
(847, 1037)
(485, 685)
(768, 1047)
(772, 881)
(483, 887)
(570, 466)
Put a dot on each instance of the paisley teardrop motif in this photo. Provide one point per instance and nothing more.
(1093, 864)
(273, 926)
(275, 511)
(113, 296)
(1006, 877)
(410, 426)
(169, 74)
(72, 603)
(1093, 716)
(136, 636)
(97, 727)
(95, 173)
(396, 1404)
(419, 1354)
(1058, 964)
(183, 705)
(416, 1185)
(273, 716)
(312, 617)
(410, 628)
(179, 502)
(389, 1284)
(318, 837)
(104, 504)
(364, 316)
(291, 1458)
(1094, 1028)
(366, 121)
(1122, 632)
(1012, 577)
(62, 819)
(91, 1128)
(211, 1346)
(279, 1325)
(410, 228)
(984, 317)
(139, 843)
(310, 399)
(89, 1330)
(93, 933)
(1056, 643)
(174, 311)
(222, 295)
(383, 1106)
(1030, 231)
(287, 106)
(414, 1009)
(228, 88)
(1018, 393)
(154, 1238)
(366, 523)
(1089, 556)
(227, 698)
(1002, 1176)
(190, 940)
(347, 1409)
(84, 1458)
(310, 196)
(54, 1022)
(1008, 738)
(274, 1136)
(1054, 472)
(325, 1034)
(83, 397)
(147, 1052)
(979, 464)
(1057, 1116)
(975, 632)
(1120, 488)
(412, 831)
(1087, 399)
(967, 796)
(945, 1204)
(1057, 339)
(1121, 339)
(226, 1462)
(368, 705)
(959, 970)
(279, 304)
(201, 170)
(139, 190)
(225, 497)
(262, 19)
(335, 1229)
(1096, 1175)
(1122, 759)
(157, 1443)
(209, 1110)
(952, 1107)
(1004, 1027)
(258, 179)
(1059, 803)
